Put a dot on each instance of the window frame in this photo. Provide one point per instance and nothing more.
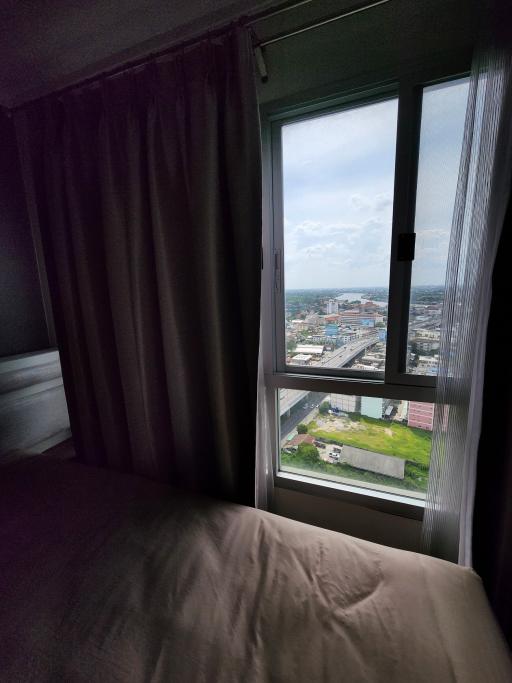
(336, 105)
(395, 381)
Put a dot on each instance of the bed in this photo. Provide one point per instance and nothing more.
(107, 577)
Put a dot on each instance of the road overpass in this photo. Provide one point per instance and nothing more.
(340, 357)
(331, 359)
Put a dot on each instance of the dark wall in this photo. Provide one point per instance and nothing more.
(368, 47)
(22, 319)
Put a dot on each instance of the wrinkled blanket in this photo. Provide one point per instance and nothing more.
(107, 577)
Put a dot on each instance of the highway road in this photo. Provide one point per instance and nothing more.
(311, 402)
(343, 355)
(331, 359)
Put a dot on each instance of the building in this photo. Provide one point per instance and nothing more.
(376, 361)
(347, 336)
(402, 411)
(332, 307)
(313, 319)
(364, 366)
(331, 330)
(301, 359)
(421, 415)
(350, 317)
(371, 407)
(422, 333)
(425, 345)
(300, 325)
(300, 438)
(309, 349)
(427, 365)
(344, 403)
(369, 307)
(367, 321)
(354, 317)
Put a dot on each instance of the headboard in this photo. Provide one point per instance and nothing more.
(33, 410)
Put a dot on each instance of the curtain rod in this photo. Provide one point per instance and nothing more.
(308, 27)
(247, 21)
(267, 14)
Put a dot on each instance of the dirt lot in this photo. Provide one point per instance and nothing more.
(337, 424)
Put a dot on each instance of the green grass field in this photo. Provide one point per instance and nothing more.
(382, 437)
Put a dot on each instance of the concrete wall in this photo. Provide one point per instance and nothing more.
(348, 518)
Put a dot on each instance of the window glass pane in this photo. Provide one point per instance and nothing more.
(370, 442)
(442, 127)
(338, 181)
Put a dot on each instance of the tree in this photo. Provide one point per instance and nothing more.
(308, 453)
(302, 429)
(324, 408)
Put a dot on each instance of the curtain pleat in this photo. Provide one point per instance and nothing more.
(481, 197)
(148, 188)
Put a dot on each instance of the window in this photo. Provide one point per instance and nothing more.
(338, 173)
(352, 351)
(442, 124)
(374, 442)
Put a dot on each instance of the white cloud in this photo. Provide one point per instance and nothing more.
(383, 201)
(338, 198)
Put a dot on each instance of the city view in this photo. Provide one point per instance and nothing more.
(368, 441)
(338, 172)
(348, 329)
(378, 443)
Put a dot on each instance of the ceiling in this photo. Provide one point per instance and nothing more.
(47, 44)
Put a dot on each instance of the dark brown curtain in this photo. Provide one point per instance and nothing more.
(492, 521)
(148, 193)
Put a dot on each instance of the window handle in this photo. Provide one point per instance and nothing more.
(406, 246)
(277, 270)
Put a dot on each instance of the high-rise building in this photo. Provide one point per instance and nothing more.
(421, 415)
(332, 306)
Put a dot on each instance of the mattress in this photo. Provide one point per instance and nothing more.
(107, 577)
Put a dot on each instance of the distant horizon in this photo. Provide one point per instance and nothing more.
(353, 289)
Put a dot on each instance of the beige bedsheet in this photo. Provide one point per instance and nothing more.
(109, 578)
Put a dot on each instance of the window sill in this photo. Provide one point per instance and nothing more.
(390, 503)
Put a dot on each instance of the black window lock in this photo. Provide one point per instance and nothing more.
(406, 244)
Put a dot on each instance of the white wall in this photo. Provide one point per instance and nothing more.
(355, 520)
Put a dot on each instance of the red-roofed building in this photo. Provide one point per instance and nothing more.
(301, 438)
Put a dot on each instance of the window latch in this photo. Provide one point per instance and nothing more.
(277, 270)
(406, 246)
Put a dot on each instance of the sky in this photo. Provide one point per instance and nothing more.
(338, 172)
